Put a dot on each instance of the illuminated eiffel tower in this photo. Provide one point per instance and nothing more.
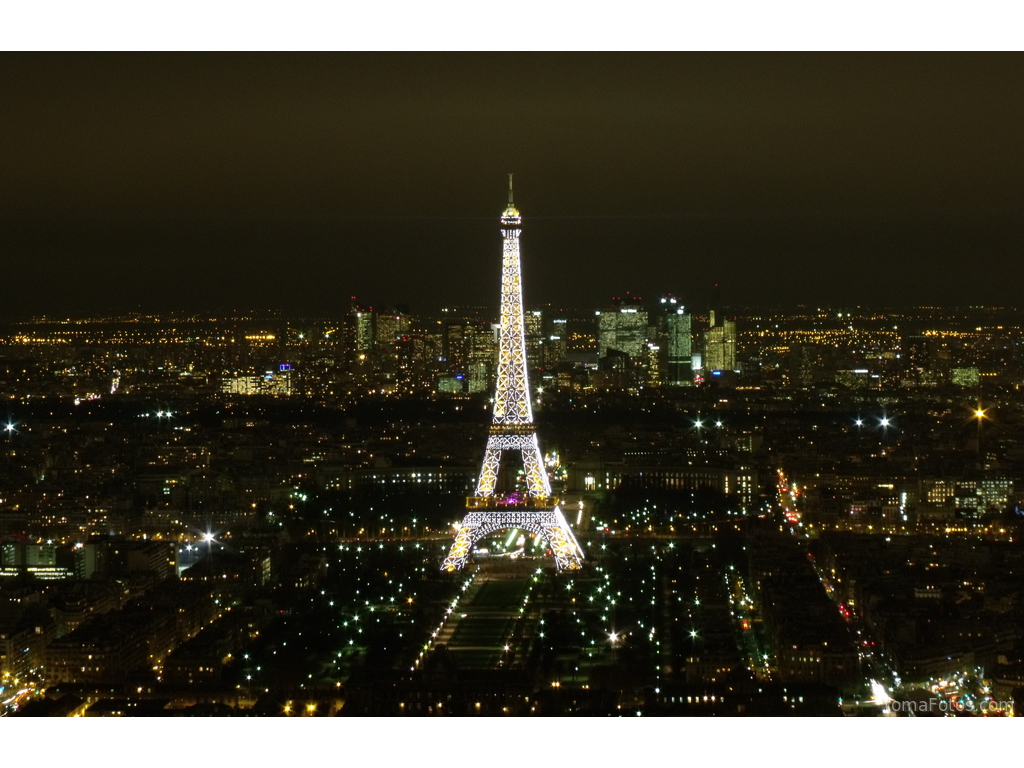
(512, 429)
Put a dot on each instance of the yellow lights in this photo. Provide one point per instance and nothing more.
(512, 430)
(460, 551)
(979, 413)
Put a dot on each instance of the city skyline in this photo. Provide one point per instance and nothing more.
(157, 182)
(690, 459)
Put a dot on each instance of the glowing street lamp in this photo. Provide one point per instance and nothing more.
(979, 414)
(208, 539)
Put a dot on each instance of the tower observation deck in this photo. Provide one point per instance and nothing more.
(512, 429)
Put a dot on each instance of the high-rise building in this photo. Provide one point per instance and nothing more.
(388, 330)
(680, 349)
(483, 350)
(389, 327)
(533, 324)
(365, 331)
(720, 347)
(456, 344)
(622, 328)
(556, 347)
(653, 374)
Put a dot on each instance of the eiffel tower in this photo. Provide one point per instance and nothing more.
(512, 429)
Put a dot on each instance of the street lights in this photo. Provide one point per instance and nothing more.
(979, 414)
(885, 422)
(209, 539)
(613, 641)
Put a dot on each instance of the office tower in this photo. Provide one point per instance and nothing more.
(622, 328)
(556, 347)
(720, 347)
(533, 325)
(365, 331)
(680, 349)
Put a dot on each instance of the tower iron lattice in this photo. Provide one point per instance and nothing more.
(512, 429)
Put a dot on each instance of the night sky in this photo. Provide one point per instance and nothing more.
(159, 182)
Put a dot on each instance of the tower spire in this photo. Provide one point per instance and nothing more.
(510, 190)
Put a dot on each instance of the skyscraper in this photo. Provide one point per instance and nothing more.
(389, 327)
(678, 329)
(720, 347)
(623, 328)
(365, 331)
(533, 323)
(555, 346)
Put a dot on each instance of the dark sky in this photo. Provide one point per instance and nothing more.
(204, 181)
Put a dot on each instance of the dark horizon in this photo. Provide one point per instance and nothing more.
(160, 182)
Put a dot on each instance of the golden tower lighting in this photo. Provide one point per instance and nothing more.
(512, 429)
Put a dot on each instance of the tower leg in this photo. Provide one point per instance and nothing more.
(489, 470)
(459, 553)
(533, 466)
(565, 548)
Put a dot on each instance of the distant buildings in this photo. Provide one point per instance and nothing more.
(720, 347)
(623, 328)
(966, 377)
(679, 368)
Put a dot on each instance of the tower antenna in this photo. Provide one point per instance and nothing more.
(510, 189)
